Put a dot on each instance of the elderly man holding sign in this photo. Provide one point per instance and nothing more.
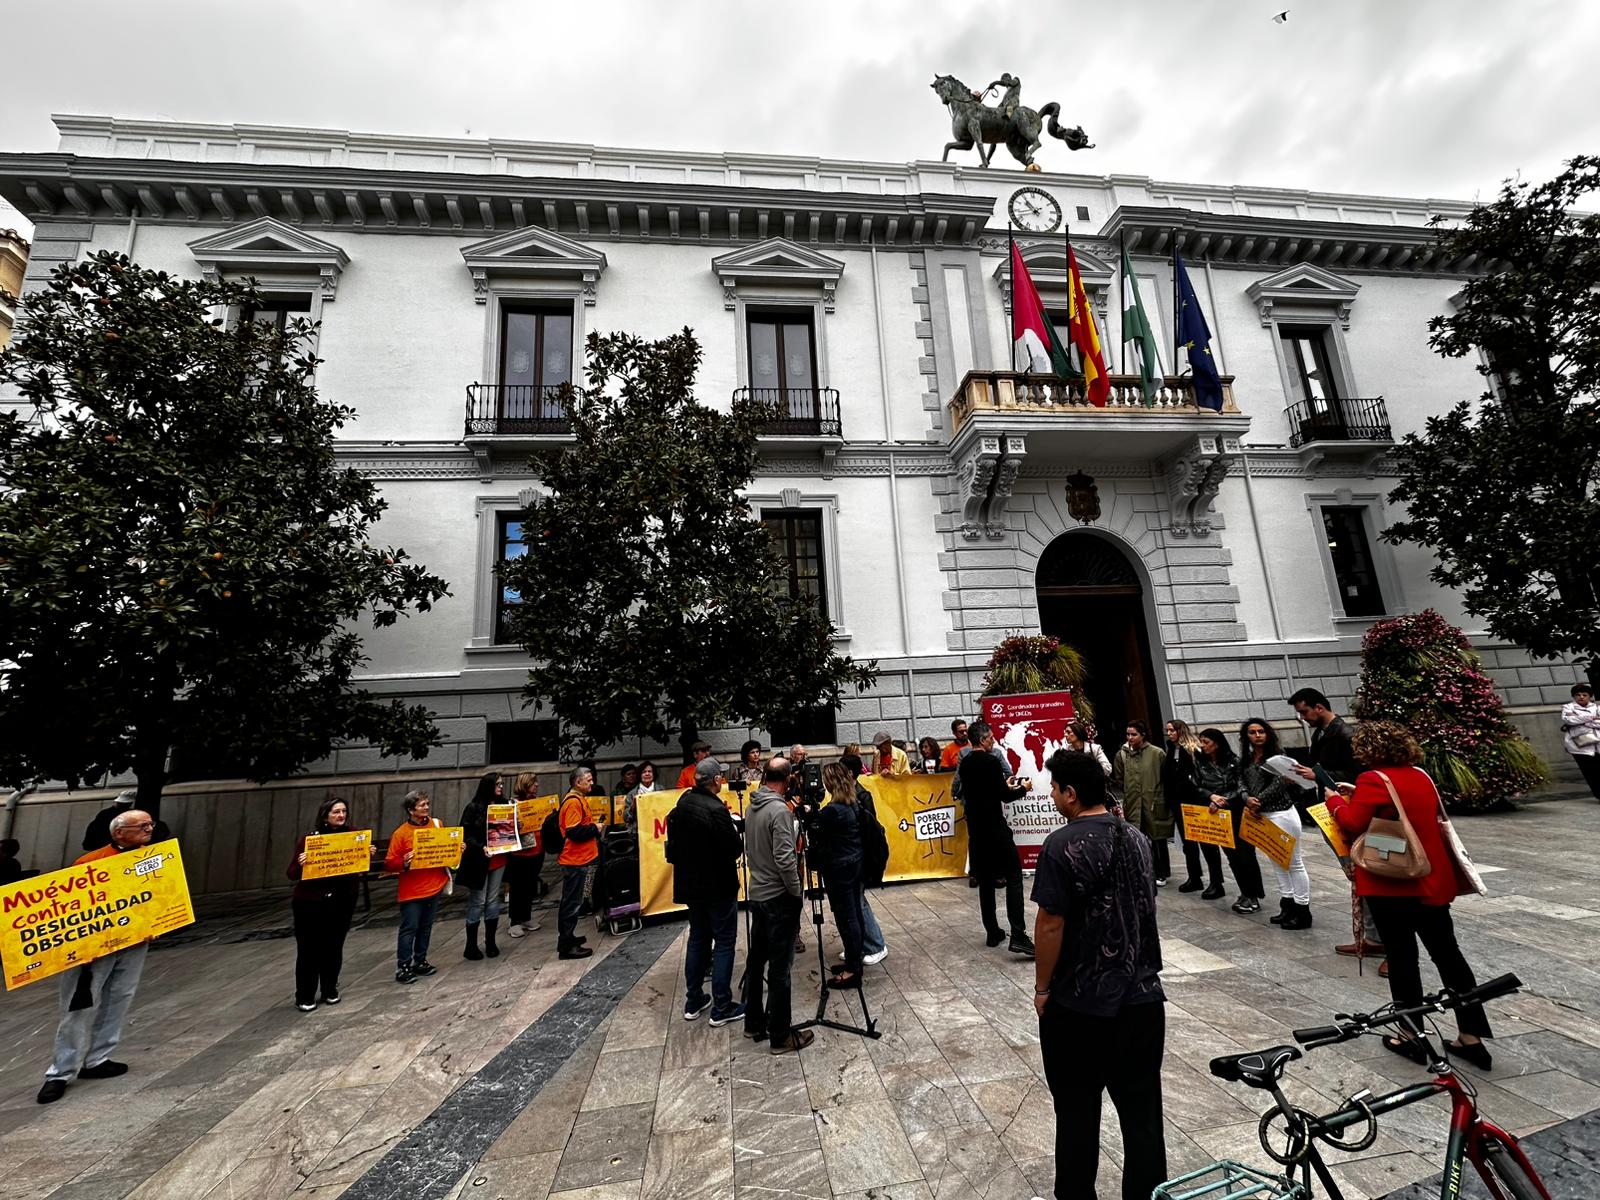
(96, 997)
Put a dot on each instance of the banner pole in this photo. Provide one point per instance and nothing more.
(1122, 271)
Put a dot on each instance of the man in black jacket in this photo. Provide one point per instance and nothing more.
(703, 846)
(986, 787)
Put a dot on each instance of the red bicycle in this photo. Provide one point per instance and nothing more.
(1498, 1158)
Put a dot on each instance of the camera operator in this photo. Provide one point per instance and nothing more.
(703, 846)
(986, 787)
(775, 899)
(873, 948)
(805, 797)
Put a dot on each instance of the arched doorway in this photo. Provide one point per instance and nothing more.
(1091, 597)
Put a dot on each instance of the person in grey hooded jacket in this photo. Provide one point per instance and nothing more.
(775, 902)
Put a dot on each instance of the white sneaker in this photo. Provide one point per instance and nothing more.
(876, 958)
(524, 930)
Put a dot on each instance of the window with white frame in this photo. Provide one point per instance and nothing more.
(1362, 584)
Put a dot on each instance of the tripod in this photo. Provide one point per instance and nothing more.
(814, 894)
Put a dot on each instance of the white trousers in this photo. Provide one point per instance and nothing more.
(87, 1037)
(1295, 883)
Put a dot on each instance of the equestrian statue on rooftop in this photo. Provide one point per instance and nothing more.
(975, 124)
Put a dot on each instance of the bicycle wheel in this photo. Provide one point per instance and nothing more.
(1510, 1176)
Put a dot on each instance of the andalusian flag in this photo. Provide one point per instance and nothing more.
(1136, 329)
(1033, 340)
(1086, 338)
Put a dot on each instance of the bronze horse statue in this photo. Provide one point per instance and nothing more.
(975, 124)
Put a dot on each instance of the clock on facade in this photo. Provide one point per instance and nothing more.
(1035, 210)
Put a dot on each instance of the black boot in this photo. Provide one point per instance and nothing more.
(472, 950)
(1298, 916)
(1285, 907)
(489, 929)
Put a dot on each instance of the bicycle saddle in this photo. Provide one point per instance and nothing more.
(1258, 1068)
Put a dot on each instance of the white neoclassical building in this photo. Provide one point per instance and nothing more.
(1206, 563)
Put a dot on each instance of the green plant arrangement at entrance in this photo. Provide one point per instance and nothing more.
(1421, 670)
(1022, 665)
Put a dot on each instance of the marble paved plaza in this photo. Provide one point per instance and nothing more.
(549, 1080)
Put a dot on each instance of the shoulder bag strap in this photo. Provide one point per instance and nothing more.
(1405, 821)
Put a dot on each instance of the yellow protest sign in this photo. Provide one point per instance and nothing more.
(1330, 829)
(1275, 843)
(63, 919)
(926, 831)
(531, 815)
(1200, 824)
(600, 809)
(432, 846)
(337, 854)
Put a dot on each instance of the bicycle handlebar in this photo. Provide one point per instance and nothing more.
(1356, 1024)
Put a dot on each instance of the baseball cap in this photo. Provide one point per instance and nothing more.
(707, 769)
(880, 738)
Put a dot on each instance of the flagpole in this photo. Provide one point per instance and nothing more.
(1011, 269)
(1122, 272)
(1175, 309)
(1072, 296)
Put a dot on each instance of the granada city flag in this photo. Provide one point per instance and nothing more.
(1086, 338)
(1033, 339)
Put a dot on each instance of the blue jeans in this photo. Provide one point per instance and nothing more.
(871, 935)
(416, 929)
(774, 924)
(87, 1036)
(484, 901)
(713, 927)
(572, 884)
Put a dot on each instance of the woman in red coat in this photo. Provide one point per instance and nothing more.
(1408, 909)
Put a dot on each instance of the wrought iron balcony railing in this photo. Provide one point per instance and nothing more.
(517, 409)
(797, 412)
(1339, 421)
(1020, 392)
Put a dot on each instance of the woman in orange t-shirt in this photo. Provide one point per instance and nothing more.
(419, 891)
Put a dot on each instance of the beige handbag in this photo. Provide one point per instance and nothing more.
(1391, 849)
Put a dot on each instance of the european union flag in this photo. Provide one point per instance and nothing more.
(1194, 335)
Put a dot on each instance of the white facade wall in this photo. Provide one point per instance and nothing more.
(1240, 611)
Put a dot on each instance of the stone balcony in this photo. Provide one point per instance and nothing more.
(1000, 418)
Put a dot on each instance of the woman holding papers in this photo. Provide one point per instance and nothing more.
(322, 909)
(1182, 746)
(1216, 773)
(1270, 793)
(479, 872)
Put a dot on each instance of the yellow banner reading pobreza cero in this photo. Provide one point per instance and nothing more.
(925, 828)
(63, 919)
(330, 854)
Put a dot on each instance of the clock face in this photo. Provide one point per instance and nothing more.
(1035, 210)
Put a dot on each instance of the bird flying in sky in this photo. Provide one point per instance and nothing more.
(1281, 18)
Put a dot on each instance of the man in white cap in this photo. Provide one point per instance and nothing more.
(95, 998)
(98, 835)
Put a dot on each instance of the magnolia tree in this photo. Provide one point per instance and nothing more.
(183, 563)
(650, 595)
(1420, 670)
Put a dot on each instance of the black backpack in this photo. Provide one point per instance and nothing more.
(550, 837)
(874, 844)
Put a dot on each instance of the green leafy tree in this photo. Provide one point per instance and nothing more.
(1504, 489)
(651, 597)
(1421, 670)
(181, 559)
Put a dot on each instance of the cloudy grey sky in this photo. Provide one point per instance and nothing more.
(1412, 97)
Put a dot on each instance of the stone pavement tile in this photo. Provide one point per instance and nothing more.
(693, 1164)
(768, 1135)
(865, 1147)
(693, 1097)
(978, 1055)
(628, 1190)
(256, 1179)
(944, 1009)
(696, 1044)
(769, 1083)
(917, 1190)
(1191, 1100)
(606, 1146)
(1563, 1094)
(1373, 1178)
(402, 1106)
(624, 1077)
(799, 1175)
(98, 1187)
(1179, 955)
(527, 1177)
(839, 1070)
(546, 1123)
(1022, 1113)
(935, 1107)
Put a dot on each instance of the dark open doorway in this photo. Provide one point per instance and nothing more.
(1091, 598)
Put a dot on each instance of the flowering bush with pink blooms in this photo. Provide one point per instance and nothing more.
(1420, 670)
(1023, 665)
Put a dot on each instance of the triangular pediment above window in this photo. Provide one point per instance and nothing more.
(777, 261)
(268, 246)
(1303, 286)
(537, 254)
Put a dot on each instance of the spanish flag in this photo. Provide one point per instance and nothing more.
(1085, 338)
